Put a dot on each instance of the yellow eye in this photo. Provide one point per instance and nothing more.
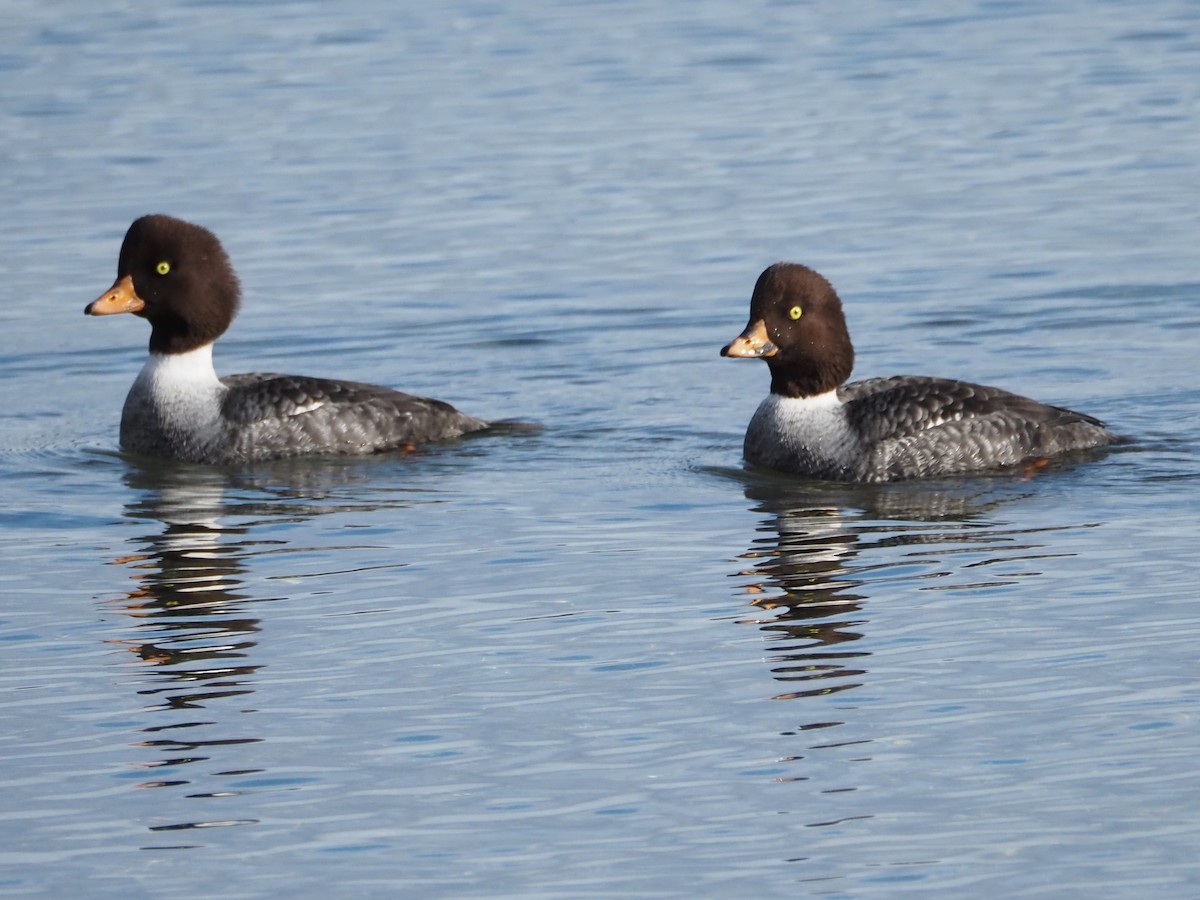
(795, 312)
(163, 267)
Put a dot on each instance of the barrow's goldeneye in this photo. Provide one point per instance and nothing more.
(879, 429)
(177, 276)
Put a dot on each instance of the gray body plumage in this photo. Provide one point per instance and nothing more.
(889, 429)
(178, 408)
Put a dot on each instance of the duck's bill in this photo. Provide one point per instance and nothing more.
(752, 343)
(120, 298)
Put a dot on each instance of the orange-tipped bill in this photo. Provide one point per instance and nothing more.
(120, 298)
(752, 343)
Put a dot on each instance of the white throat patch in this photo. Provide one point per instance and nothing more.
(182, 389)
(181, 372)
(801, 433)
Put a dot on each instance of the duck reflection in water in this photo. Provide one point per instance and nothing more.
(190, 608)
(810, 581)
(190, 614)
(808, 602)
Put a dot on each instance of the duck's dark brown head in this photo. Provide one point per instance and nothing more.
(177, 276)
(797, 326)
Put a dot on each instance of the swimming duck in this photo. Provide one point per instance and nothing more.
(177, 276)
(879, 429)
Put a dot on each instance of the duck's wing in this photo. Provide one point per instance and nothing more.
(288, 415)
(917, 425)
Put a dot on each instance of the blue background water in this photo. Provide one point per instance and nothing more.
(603, 658)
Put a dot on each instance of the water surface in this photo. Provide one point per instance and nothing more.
(603, 657)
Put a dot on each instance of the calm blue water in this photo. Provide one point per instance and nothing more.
(603, 658)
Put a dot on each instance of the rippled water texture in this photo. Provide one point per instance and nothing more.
(603, 658)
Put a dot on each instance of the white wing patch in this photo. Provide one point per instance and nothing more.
(307, 408)
(941, 419)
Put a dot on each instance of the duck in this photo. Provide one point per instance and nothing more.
(178, 277)
(815, 424)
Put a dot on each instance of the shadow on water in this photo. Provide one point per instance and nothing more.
(192, 622)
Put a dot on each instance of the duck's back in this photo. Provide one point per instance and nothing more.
(269, 416)
(914, 426)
